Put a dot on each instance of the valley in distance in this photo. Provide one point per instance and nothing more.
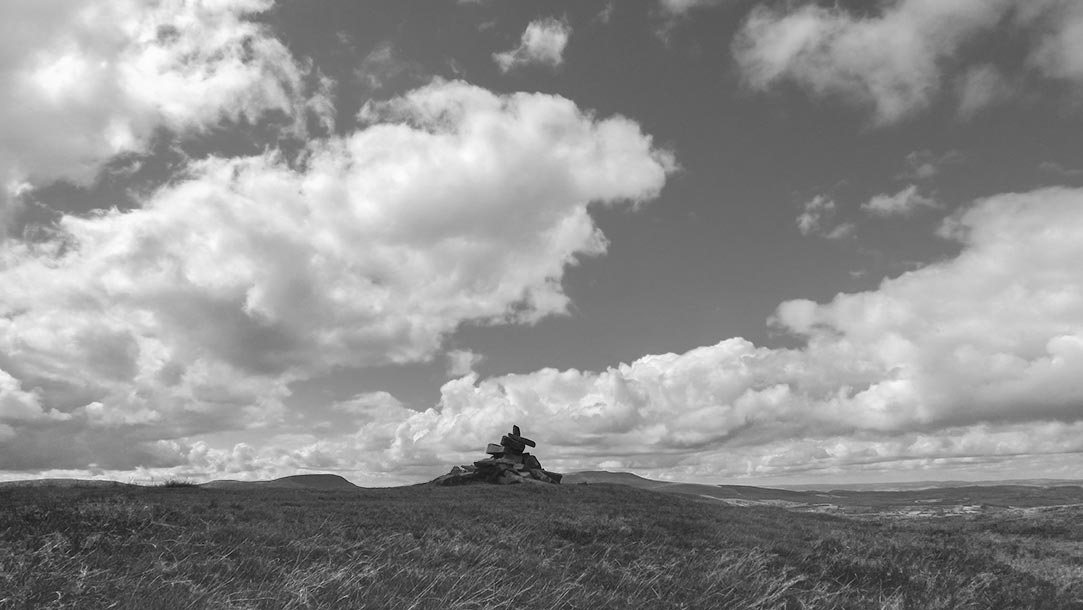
(598, 540)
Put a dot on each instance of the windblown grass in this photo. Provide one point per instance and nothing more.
(532, 547)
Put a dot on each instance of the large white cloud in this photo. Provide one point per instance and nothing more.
(84, 80)
(975, 358)
(895, 61)
(192, 313)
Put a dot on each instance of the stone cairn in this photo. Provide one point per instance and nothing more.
(508, 464)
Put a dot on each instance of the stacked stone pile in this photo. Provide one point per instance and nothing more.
(507, 464)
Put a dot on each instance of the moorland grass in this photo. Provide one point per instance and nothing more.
(178, 483)
(474, 547)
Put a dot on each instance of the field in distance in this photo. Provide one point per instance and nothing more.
(323, 543)
(929, 500)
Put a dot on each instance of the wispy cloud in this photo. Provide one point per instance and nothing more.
(925, 165)
(818, 217)
(1056, 169)
(383, 64)
(681, 7)
(903, 203)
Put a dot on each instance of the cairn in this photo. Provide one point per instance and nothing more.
(508, 464)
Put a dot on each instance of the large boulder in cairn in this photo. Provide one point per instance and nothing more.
(507, 464)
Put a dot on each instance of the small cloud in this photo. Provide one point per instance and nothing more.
(815, 209)
(542, 44)
(817, 218)
(676, 8)
(903, 203)
(841, 230)
(461, 362)
(673, 13)
(922, 165)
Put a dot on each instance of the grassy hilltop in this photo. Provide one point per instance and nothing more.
(538, 546)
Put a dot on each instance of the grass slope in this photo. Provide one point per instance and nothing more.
(547, 547)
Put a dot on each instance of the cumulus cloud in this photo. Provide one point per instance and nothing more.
(84, 80)
(195, 311)
(818, 218)
(894, 61)
(975, 358)
(975, 361)
(903, 203)
(542, 44)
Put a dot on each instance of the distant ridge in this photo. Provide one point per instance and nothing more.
(717, 492)
(634, 480)
(1019, 491)
(297, 481)
(64, 483)
(616, 478)
(923, 485)
(833, 498)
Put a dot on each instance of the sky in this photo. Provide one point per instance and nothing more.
(720, 241)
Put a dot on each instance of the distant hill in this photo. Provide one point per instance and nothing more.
(63, 483)
(1004, 494)
(297, 481)
(738, 493)
(616, 478)
(923, 485)
(832, 498)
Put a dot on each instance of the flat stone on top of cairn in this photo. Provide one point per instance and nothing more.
(508, 463)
